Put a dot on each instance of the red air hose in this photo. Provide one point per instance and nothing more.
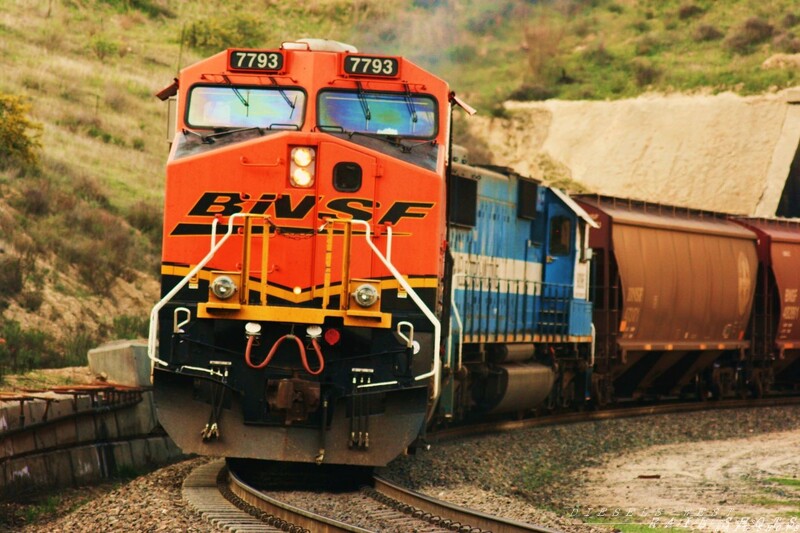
(318, 351)
(274, 350)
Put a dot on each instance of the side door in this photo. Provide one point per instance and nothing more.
(558, 269)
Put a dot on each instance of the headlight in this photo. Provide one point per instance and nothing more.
(366, 295)
(301, 178)
(302, 167)
(302, 156)
(223, 287)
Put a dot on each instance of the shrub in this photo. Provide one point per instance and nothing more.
(108, 138)
(10, 274)
(31, 300)
(533, 92)
(19, 136)
(790, 20)
(35, 199)
(131, 327)
(153, 9)
(101, 247)
(77, 345)
(146, 218)
(786, 42)
(754, 31)
(88, 189)
(462, 53)
(542, 41)
(706, 32)
(103, 47)
(599, 55)
(214, 34)
(688, 11)
(640, 26)
(645, 72)
(648, 45)
(24, 348)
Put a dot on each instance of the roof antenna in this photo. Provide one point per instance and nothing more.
(180, 50)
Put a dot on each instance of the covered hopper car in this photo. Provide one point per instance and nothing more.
(690, 302)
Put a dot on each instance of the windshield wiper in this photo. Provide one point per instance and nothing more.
(410, 103)
(289, 102)
(240, 97)
(362, 99)
(203, 138)
(238, 94)
(394, 140)
(221, 132)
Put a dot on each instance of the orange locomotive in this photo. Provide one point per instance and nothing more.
(303, 256)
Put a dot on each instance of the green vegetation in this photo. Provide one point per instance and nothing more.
(786, 482)
(19, 135)
(82, 137)
(46, 508)
(24, 349)
(651, 527)
(607, 49)
(131, 327)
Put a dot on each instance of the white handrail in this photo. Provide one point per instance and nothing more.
(215, 246)
(457, 316)
(436, 369)
(153, 333)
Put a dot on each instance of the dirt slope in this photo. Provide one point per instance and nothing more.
(720, 152)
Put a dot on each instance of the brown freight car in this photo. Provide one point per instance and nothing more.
(672, 290)
(774, 356)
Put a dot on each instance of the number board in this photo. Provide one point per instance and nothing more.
(358, 65)
(255, 60)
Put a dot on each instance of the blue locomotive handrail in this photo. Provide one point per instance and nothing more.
(525, 308)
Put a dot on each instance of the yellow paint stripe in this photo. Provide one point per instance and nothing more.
(307, 295)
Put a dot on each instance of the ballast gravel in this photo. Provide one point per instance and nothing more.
(533, 475)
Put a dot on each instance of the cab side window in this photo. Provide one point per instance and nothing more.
(560, 235)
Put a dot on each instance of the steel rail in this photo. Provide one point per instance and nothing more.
(499, 426)
(461, 518)
(294, 516)
(398, 501)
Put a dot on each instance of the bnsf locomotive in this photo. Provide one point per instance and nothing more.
(336, 278)
(310, 274)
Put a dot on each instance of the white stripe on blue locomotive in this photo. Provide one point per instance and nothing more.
(519, 275)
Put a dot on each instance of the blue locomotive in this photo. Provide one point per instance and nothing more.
(520, 319)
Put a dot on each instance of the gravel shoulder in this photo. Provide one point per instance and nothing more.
(709, 471)
(574, 477)
(152, 502)
(714, 485)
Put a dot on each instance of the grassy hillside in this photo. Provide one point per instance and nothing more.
(80, 226)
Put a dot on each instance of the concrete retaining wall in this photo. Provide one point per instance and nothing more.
(83, 465)
(55, 440)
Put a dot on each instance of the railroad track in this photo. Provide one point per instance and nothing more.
(226, 501)
(385, 506)
(625, 411)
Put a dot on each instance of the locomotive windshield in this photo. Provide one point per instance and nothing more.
(399, 114)
(245, 107)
